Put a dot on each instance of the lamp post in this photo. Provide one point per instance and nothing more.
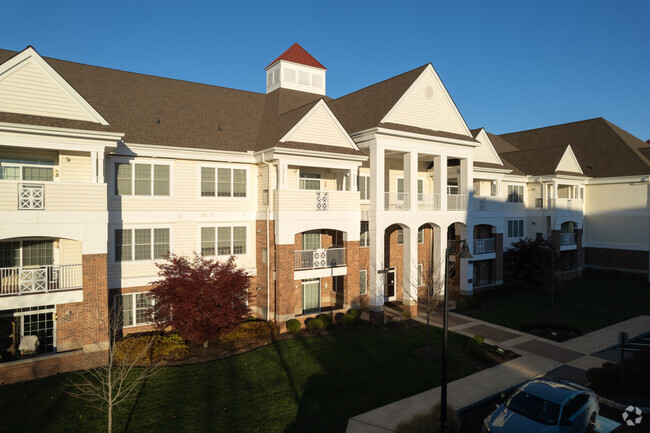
(464, 254)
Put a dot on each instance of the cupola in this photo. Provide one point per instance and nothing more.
(296, 69)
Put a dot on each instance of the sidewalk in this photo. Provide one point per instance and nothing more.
(538, 357)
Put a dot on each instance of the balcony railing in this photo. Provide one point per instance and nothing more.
(394, 200)
(310, 200)
(566, 203)
(456, 202)
(482, 246)
(319, 258)
(567, 238)
(39, 279)
(31, 196)
(428, 201)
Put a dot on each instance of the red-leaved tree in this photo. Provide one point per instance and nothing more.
(200, 297)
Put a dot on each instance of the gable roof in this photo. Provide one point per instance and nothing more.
(297, 54)
(365, 108)
(601, 148)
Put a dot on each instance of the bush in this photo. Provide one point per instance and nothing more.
(338, 318)
(348, 321)
(476, 351)
(354, 312)
(162, 346)
(479, 339)
(293, 325)
(430, 422)
(315, 325)
(326, 319)
(250, 332)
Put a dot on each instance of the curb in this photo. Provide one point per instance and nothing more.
(621, 407)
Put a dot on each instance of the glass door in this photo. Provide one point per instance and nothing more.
(311, 296)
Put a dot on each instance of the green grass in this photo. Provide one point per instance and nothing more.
(585, 304)
(299, 385)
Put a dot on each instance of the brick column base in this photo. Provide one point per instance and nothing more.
(411, 309)
(377, 317)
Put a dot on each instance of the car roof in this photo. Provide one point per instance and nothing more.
(551, 390)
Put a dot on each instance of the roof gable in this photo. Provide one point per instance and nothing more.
(30, 86)
(485, 152)
(320, 126)
(569, 162)
(297, 54)
(427, 104)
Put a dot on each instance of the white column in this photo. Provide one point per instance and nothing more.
(439, 254)
(409, 285)
(101, 166)
(466, 178)
(376, 178)
(466, 268)
(93, 167)
(376, 280)
(440, 179)
(282, 175)
(411, 179)
(354, 172)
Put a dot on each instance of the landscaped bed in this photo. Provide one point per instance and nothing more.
(299, 384)
(580, 306)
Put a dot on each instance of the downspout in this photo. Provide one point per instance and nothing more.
(268, 249)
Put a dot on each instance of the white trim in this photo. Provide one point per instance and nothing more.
(483, 134)
(112, 179)
(279, 150)
(41, 299)
(217, 166)
(369, 134)
(620, 179)
(30, 53)
(134, 308)
(320, 273)
(175, 152)
(568, 153)
(57, 131)
(112, 227)
(231, 225)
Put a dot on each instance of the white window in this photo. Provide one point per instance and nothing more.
(142, 179)
(225, 241)
(363, 282)
(421, 235)
(311, 240)
(364, 187)
(223, 182)
(515, 194)
(309, 181)
(34, 170)
(515, 228)
(400, 186)
(365, 234)
(400, 236)
(420, 271)
(135, 309)
(141, 244)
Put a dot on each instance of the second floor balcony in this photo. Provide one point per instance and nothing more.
(567, 239)
(483, 246)
(52, 196)
(319, 258)
(312, 200)
(16, 281)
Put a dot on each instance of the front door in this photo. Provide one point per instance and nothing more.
(390, 283)
(310, 296)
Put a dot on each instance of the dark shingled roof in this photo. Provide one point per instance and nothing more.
(424, 131)
(366, 108)
(602, 149)
(55, 122)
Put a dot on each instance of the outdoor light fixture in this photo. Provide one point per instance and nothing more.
(464, 254)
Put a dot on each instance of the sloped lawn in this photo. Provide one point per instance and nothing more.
(299, 385)
(581, 305)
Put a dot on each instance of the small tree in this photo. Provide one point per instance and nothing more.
(537, 261)
(200, 297)
(117, 378)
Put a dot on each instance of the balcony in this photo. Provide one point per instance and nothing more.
(488, 203)
(52, 196)
(483, 246)
(399, 201)
(319, 258)
(321, 201)
(574, 204)
(39, 279)
(428, 201)
(456, 202)
(567, 239)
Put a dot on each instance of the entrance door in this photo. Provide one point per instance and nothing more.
(310, 296)
(390, 283)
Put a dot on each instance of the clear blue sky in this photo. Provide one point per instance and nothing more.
(509, 65)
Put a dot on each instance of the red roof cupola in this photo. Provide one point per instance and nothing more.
(297, 54)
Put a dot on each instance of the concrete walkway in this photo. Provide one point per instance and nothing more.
(538, 357)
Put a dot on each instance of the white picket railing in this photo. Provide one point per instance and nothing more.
(31, 196)
(39, 279)
(428, 201)
(567, 238)
(319, 258)
(394, 200)
(482, 246)
(456, 202)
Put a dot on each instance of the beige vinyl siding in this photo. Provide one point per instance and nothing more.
(31, 90)
(8, 196)
(77, 169)
(534, 191)
(263, 184)
(70, 252)
(319, 128)
(617, 231)
(417, 110)
(328, 177)
(485, 153)
(59, 197)
(568, 162)
(616, 197)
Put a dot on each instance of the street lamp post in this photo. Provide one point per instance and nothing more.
(464, 254)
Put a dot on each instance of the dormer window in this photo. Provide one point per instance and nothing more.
(296, 69)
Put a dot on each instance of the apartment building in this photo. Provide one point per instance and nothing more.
(327, 203)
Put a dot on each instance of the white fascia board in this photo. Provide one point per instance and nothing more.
(175, 152)
(283, 152)
(30, 53)
(41, 299)
(294, 63)
(485, 137)
(424, 137)
(66, 132)
(620, 179)
(432, 70)
(321, 104)
(491, 170)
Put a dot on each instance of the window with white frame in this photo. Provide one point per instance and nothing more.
(141, 244)
(515, 228)
(135, 309)
(400, 236)
(310, 181)
(363, 282)
(34, 170)
(223, 182)
(420, 271)
(364, 187)
(364, 240)
(515, 194)
(26, 253)
(142, 179)
(311, 240)
(224, 241)
(420, 189)
(421, 235)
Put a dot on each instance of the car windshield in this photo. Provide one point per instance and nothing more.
(533, 407)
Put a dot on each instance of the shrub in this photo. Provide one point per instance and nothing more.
(251, 332)
(430, 422)
(315, 325)
(338, 318)
(348, 321)
(476, 351)
(162, 346)
(326, 319)
(479, 339)
(354, 312)
(293, 325)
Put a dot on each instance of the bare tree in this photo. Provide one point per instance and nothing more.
(120, 370)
